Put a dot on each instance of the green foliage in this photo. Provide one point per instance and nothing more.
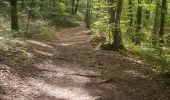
(38, 29)
(4, 26)
(159, 61)
(45, 13)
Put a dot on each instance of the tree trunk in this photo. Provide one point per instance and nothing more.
(115, 15)
(14, 17)
(118, 43)
(88, 14)
(30, 15)
(112, 19)
(112, 11)
(131, 21)
(76, 7)
(131, 13)
(156, 26)
(73, 7)
(138, 35)
(162, 23)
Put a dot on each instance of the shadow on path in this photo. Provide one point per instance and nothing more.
(71, 69)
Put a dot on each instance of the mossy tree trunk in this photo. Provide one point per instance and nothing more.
(115, 15)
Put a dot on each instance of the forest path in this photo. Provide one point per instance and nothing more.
(71, 69)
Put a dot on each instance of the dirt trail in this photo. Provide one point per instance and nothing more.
(71, 69)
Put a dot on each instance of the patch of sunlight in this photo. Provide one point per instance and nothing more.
(68, 93)
(134, 60)
(76, 37)
(39, 43)
(68, 44)
(2, 38)
(75, 28)
(4, 46)
(135, 74)
(44, 53)
(29, 55)
(80, 79)
(49, 65)
(20, 41)
(4, 70)
(13, 82)
(61, 71)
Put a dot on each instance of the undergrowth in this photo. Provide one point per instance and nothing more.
(160, 61)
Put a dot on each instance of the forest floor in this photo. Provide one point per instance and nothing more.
(70, 68)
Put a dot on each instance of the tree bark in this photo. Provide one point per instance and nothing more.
(131, 20)
(14, 16)
(118, 43)
(156, 26)
(76, 7)
(73, 7)
(88, 14)
(162, 23)
(138, 36)
(115, 15)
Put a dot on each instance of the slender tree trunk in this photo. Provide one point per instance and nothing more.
(14, 17)
(76, 7)
(156, 26)
(139, 17)
(73, 7)
(138, 36)
(162, 23)
(131, 13)
(88, 14)
(29, 15)
(131, 20)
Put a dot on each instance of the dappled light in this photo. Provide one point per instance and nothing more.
(2, 38)
(40, 43)
(135, 74)
(68, 44)
(84, 50)
(68, 93)
(135, 60)
(74, 71)
(44, 53)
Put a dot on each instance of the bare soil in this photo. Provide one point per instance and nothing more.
(70, 68)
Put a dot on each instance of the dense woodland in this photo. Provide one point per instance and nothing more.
(140, 28)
